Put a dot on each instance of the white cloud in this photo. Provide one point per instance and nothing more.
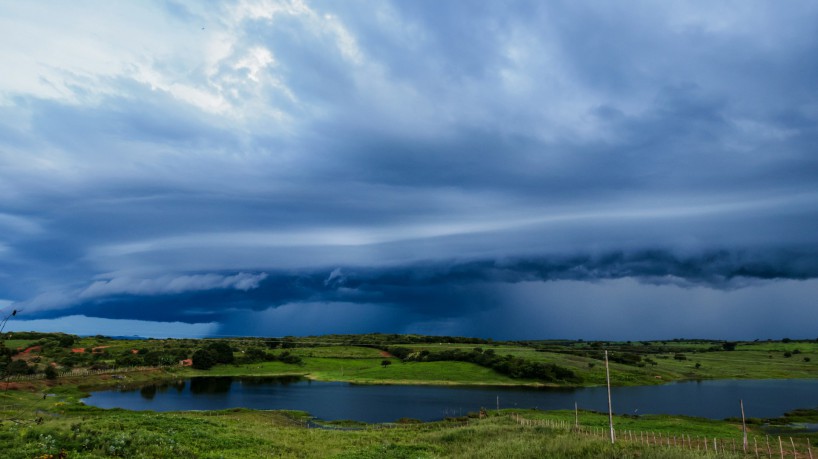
(82, 325)
(126, 285)
(171, 284)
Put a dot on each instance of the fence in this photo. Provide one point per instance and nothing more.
(78, 372)
(777, 448)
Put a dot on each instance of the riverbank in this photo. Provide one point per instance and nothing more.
(33, 426)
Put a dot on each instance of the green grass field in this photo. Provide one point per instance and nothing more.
(31, 426)
(749, 361)
(42, 427)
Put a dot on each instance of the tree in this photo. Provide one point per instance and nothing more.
(66, 340)
(50, 372)
(203, 359)
(18, 367)
(222, 352)
(385, 363)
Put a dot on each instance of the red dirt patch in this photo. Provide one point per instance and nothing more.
(78, 350)
(19, 386)
(32, 348)
(386, 354)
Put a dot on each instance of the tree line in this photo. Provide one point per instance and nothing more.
(513, 367)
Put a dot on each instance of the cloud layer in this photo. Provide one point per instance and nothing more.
(167, 161)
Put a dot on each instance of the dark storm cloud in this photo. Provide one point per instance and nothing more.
(430, 291)
(445, 156)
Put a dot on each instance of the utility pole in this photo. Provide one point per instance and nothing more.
(743, 425)
(576, 416)
(610, 410)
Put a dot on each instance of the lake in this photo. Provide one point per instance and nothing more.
(716, 399)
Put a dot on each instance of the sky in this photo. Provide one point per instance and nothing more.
(508, 170)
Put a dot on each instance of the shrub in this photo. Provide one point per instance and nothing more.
(222, 351)
(50, 372)
(18, 367)
(203, 359)
(286, 357)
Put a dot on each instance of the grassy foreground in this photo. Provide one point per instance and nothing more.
(36, 427)
(43, 427)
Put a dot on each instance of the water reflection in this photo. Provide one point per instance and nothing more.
(148, 392)
(272, 380)
(210, 385)
(383, 403)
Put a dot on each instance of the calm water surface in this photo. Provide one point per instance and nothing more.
(384, 403)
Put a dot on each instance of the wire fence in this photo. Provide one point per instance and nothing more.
(759, 447)
(79, 372)
(756, 446)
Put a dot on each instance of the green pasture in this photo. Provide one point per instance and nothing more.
(748, 361)
(32, 426)
(18, 343)
(42, 427)
(368, 370)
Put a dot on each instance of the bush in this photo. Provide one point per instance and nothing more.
(222, 352)
(286, 357)
(50, 372)
(203, 359)
(18, 367)
(129, 360)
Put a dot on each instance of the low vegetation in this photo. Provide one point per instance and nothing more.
(63, 367)
(419, 359)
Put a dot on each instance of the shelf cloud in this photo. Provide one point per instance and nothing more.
(409, 166)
